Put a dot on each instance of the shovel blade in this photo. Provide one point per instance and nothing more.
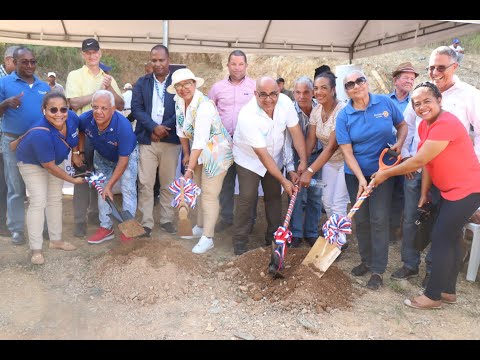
(131, 228)
(321, 256)
(184, 227)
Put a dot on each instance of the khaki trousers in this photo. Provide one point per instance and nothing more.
(208, 202)
(44, 200)
(165, 157)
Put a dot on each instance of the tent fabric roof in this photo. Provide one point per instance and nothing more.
(345, 38)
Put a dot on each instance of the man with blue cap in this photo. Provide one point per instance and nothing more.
(458, 49)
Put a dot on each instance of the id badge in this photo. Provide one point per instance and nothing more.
(159, 115)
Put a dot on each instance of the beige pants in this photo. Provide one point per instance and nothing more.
(165, 157)
(44, 199)
(208, 202)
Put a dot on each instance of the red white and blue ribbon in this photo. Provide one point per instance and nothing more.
(335, 229)
(190, 192)
(95, 180)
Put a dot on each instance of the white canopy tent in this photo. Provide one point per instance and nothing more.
(344, 38)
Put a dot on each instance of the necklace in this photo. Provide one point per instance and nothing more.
(326, 114)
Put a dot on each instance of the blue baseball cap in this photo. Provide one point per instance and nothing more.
(456, 41)
(104, 67)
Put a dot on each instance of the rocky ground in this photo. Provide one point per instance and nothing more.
(158, 289)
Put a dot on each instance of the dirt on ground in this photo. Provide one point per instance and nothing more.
(158, 289)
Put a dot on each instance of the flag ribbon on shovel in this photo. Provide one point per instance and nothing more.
(190, 195)
(281, 237)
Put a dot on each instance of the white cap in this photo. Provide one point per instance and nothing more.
(127, 86)
(51, 73)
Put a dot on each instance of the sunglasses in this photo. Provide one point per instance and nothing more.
(25, 62)
(54, 110)
(351, 84)
(440, 68)
(186, 85)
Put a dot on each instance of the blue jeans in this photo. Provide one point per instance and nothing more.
(3, 195)
(308, 207)
(16, 188)
(128, 185)
(398, 200)
(372, 226)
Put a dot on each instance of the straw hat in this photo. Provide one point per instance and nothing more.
(181, 75)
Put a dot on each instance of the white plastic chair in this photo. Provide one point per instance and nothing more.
(474, 261)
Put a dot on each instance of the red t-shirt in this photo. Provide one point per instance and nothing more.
(456, 170)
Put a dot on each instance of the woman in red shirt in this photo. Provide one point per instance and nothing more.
(449, 162)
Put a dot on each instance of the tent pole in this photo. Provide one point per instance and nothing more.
(165, 33)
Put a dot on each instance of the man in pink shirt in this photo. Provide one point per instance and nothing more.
(229, 95)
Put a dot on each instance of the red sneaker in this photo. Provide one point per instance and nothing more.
(125, 239)
(101, 235)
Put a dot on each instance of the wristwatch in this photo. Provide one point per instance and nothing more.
(311, 170)
(78, 152)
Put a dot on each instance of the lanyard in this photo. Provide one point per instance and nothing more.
(157, 88)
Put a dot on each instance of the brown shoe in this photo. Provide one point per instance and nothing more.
(37, 259)
(62, 245)
(448, 298)
(422, 302)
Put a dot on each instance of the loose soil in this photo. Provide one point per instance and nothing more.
(158, 289)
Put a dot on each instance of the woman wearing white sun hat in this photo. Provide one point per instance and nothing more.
(207, 150)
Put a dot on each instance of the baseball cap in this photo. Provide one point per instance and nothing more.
(51, 73)
(456, 41)
(90, 44)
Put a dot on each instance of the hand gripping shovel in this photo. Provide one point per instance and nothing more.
(282, 236)
(126, 222)
(327, 249)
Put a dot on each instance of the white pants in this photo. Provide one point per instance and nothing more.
(335, 194)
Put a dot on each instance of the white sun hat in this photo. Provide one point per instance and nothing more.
(181, 75)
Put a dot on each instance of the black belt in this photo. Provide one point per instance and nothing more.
(15, 136)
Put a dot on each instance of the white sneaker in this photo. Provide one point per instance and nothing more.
(196, 233)
(203, 245)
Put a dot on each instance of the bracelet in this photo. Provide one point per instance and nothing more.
(187, 169)
(310, 170)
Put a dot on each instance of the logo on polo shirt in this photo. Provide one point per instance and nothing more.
(384, 114)
(42, 92)
(114, 143)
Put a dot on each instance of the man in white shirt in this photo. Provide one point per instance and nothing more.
(127, 97)
(258, 154)
(458, 49)
(462, 100)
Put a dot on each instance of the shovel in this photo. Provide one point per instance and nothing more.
(326, 249)
(184, 227)
(126, 222)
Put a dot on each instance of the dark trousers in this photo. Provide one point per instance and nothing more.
(398, 202)
(227, 197)
(3, 195)
(84, 197)
(372, 226)
(248, 182)
(447, 249)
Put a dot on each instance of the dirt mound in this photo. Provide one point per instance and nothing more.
(299, 288)
(146, 271)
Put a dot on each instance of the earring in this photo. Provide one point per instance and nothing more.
(43, 112)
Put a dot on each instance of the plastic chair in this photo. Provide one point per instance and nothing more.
(474, 260)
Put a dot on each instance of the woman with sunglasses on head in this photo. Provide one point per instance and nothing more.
(447, 156)
(41, 153)
(363, 130)
(207, 150)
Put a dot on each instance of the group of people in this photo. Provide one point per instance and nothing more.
(248, 129)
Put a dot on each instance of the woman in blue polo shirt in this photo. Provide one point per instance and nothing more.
(363, 130)
(40, 154)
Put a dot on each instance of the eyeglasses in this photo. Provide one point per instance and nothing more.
(272, 95)
(185, 85)
(54, 110)
(440, 68)
(101, 108)
(25, 62)
(351, 84)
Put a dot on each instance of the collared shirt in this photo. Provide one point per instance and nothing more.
(82, 82)
(201, 124)
(289, 151)
(368, 131)
(41, 146)
(57, 87)
(462, 100)
(230, 98)
(158, 98)
(18, 121)
(255, 129)
(127, 98)
(116, 140)
(402, 104)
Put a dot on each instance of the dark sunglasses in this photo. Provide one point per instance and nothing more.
(440, 68)
(351, 84)
(54, 110)
(25, 62)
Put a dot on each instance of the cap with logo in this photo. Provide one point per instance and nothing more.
(90, 44)
(51, 73)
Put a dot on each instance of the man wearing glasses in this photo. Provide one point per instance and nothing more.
(462, 100)
(21, 95)
(258, 154)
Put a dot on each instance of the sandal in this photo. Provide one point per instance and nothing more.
(423, 305)
(62, 245)
(37, 259)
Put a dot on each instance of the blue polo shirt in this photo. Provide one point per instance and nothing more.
(368, 130)
(41, 146)
(116, 140)
(18, 121)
